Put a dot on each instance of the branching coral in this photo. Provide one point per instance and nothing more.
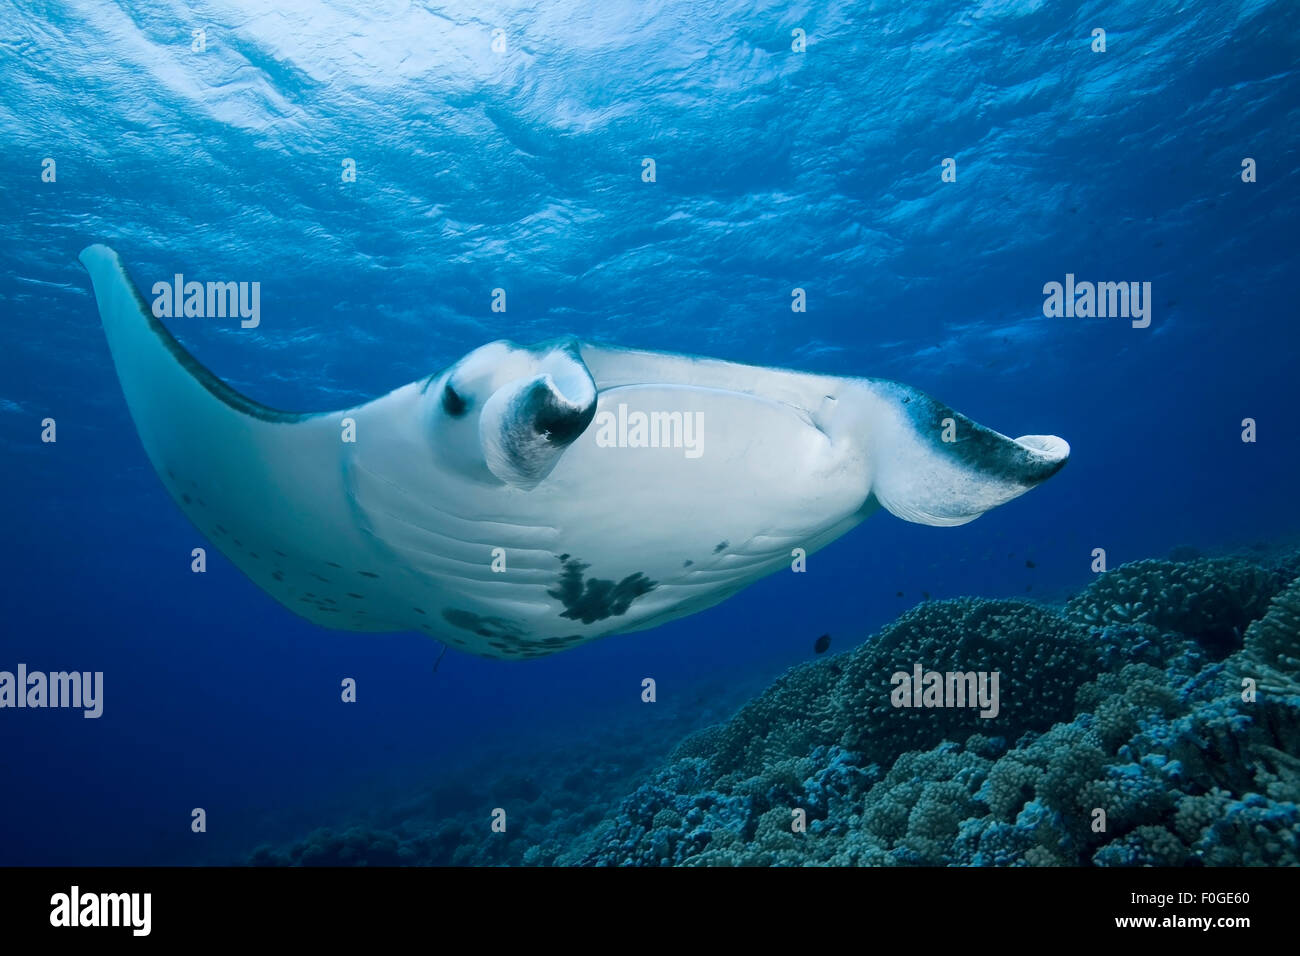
(1136, 728)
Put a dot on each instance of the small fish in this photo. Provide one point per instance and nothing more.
(925, 595)
(1030, 564)
(899, 594)
(823, 643)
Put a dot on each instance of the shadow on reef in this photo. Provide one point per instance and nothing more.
(1131, 699)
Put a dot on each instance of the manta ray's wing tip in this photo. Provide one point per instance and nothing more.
(94, 251)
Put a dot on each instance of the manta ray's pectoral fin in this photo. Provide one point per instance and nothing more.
(935, 466)
(527, 424)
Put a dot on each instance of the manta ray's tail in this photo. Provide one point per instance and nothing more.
(935, 466)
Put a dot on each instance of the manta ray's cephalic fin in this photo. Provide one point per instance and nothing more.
(933, 465)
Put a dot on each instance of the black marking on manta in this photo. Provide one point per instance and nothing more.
(976, 447)
(595, 599)
(213, 385)
(452, 403)
(561, 641)
(482, 626)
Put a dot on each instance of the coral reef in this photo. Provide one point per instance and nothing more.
(1154, 720)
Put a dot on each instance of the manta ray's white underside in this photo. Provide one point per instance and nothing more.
(498, 506)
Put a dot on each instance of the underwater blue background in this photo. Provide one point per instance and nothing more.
(775, 170)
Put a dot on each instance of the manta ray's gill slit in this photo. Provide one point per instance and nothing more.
(486, 527)
(430, 543)
(735, 561)
(523, 565)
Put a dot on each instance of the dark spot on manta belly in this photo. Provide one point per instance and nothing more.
(687, 564)
(561, 641)
(596, 599)
(187, 499)
(482, 626)
(278, 575)
(720, 547)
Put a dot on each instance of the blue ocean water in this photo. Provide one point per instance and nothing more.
(522, 169)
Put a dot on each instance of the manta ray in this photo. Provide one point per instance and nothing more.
(526, 500)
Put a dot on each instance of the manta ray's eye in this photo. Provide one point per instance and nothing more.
(452, 403)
